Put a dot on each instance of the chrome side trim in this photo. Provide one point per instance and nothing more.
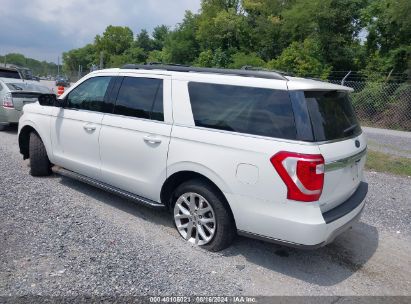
(106, 187)
(291, 141)
(344, 162)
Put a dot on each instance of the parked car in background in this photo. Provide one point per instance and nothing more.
(12, 73)
(14, 94)
(26, 73)
(62, 81)
(257, 153)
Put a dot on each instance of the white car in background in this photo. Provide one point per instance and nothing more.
(226, 151)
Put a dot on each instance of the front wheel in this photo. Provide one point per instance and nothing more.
(202, 217)
(39, 161)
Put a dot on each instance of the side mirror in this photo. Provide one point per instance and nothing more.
(50, 100)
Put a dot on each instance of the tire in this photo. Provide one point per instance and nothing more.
(39, 161)
(3, 127)
(203, 195)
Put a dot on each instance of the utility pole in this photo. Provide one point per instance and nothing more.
(5, 60)
(58, 65)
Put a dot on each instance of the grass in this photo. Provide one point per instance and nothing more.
(382, 162)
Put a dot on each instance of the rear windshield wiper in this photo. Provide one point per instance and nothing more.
(350, 128)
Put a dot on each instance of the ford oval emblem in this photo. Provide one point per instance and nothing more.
(357, 143)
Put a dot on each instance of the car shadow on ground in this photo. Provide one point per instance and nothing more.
(325, 266)
(12, 129)
(157, 216)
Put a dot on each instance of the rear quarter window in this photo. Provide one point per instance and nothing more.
(249, 110)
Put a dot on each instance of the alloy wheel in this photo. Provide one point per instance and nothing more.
(194, 218)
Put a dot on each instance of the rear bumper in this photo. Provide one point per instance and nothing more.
(312, 231)
(9, 116)
(348, 206)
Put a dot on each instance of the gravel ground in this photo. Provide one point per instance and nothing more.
(61, 237)
(389, 141)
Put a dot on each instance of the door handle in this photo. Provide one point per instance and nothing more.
(89, 127)
(152, 139)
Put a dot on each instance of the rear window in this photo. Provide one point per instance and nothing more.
(250, 110)
(332, 115)
(9, 74)
(28, 87)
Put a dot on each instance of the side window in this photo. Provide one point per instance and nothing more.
(140, 97)
(250, 110)
(90, 95)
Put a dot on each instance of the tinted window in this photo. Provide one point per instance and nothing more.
(332, 115)
(90, 95)
(140, 97)
(249, 110)
(28, 87)
(9, 74)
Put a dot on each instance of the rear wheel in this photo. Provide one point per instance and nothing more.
(39, 161)
(3, 127)
(202, 217)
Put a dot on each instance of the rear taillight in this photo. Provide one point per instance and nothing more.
(303, 174)
(8, 101)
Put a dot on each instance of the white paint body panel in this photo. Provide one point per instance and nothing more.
(117, 153)
(74, 146)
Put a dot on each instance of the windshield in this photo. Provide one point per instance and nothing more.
(26, 74)
(332, 115)
(28, 87)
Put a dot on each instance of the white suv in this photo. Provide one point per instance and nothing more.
(226, 151)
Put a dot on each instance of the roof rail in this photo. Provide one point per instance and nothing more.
(183, 68)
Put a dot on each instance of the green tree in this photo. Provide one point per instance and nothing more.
(226, 30)
(388, 43)
(157, 56)
(264, 21)
(335, 24)
(160, 34)
(144, 41)
(85, 56)
(41, 68)
(240, 59)
(114, 41)
(181, 45)
(222, 25)
(205, 59)
(302, 59)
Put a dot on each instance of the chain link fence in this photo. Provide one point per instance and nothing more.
(382, 104)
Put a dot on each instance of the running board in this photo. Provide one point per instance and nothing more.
(106, 187)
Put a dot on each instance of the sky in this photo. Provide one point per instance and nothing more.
(43, 29)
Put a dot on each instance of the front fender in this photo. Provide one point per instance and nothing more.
(42, 129)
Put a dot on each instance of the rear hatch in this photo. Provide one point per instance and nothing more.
(24, 93)
(22, 98)
(336, 130)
